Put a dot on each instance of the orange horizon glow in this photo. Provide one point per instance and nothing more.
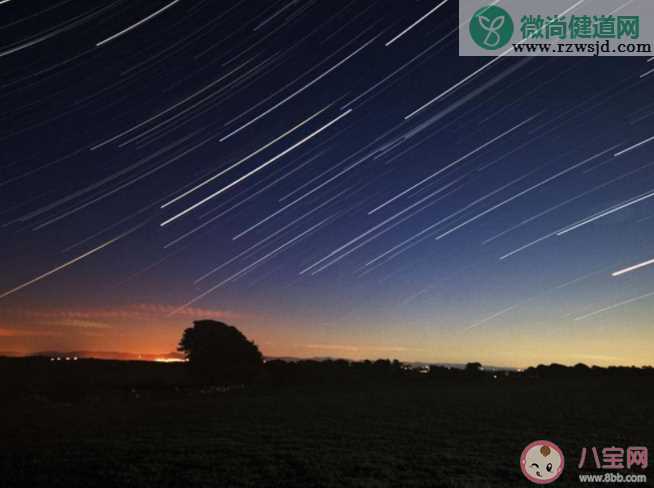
(111, 330)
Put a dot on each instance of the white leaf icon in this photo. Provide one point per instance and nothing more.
(497, 23)
(484, 22)
(493, 38)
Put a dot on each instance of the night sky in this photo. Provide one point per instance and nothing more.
(324, 179)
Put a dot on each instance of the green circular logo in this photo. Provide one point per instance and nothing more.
(491, 27)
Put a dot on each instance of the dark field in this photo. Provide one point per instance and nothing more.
(413, 433)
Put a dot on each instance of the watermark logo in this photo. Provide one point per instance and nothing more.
(556, 28)
(614, 457)
(542, 462)
(618, 465)
(491, 27)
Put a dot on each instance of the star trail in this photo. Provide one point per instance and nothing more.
(320, 173)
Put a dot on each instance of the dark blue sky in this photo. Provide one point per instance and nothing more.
(345, 229)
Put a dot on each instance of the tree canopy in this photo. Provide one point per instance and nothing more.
(219, 353)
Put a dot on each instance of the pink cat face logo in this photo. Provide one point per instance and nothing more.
(542, 462)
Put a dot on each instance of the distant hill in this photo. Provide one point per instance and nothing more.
(412, 364)
(128, 356)
(11, 354)
(124, 356)
(461, 366)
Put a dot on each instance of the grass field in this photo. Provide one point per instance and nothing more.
(413, 434)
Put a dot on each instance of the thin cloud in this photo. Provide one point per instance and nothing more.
(81, 324)
(137, 312)
(353, 348)
(4, 332)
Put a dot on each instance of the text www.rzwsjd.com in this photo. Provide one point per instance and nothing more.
(596, 49)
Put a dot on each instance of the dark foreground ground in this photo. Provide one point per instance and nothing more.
(415, 434)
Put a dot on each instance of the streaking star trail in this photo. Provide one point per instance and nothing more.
(321, 173)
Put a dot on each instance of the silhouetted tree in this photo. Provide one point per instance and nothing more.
(220, 354)
(473, 368)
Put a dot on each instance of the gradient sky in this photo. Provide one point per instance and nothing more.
(346, 229)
